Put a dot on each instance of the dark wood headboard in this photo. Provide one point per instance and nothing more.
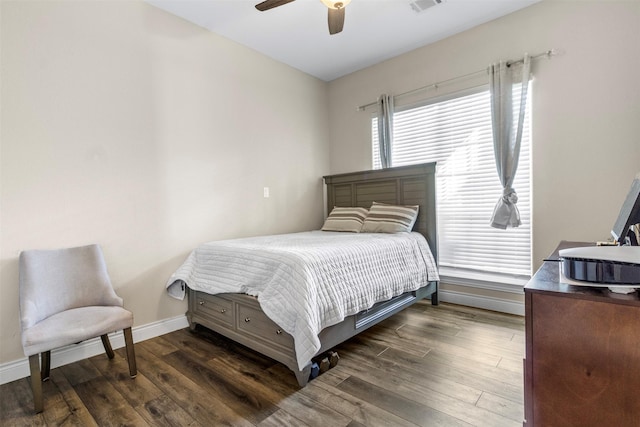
(404, 185)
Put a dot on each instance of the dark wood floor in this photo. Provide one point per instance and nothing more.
(429, 366)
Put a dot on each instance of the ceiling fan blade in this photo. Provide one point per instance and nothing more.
(336, 20)
(270, 4)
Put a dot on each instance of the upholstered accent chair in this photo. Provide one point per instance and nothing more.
(66, 297)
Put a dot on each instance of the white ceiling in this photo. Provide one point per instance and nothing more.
(374, 30)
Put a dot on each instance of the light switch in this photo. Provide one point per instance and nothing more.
(266, 192)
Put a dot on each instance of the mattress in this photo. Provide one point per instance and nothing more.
(308, 281)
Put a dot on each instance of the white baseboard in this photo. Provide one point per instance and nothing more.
(479, 301)
(17, 369)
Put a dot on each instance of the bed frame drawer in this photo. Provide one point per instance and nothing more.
(254, 322)
(214, 306)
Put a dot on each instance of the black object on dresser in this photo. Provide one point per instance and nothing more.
(582, 365)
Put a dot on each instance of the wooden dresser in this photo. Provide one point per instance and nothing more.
(582, 365)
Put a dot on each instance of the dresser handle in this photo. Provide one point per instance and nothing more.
(278, 331)
(201, 302)
(247, 319)
(224, 310)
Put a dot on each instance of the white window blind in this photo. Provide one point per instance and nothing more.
(456, 133)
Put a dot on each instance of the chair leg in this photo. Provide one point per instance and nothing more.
(45, 369)
(107, 346)
(36, 383)
(131, 353)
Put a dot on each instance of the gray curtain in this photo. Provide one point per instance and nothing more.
(506, 145)
(385, 128)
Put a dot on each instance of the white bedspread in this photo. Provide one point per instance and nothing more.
(311, 280)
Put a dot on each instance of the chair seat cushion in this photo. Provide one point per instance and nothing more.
(73, 326)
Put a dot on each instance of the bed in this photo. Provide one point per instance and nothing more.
(244, 313)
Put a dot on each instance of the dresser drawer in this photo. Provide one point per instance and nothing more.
(214, 306)
(254, 322)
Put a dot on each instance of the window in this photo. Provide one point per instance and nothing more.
(456, 133)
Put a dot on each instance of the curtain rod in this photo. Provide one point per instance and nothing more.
(548, 54)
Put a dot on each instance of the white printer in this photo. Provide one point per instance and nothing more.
(615, 267)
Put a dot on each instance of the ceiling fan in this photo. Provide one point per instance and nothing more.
(336, 11)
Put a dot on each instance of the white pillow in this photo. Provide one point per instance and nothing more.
(385, 218)
(345, 219)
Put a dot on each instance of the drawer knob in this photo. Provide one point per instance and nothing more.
(201, 302)
(278, 331)
(224, 310)
(247, 319)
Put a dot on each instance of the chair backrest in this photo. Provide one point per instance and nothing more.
(52, 281)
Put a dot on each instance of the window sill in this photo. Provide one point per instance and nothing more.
(493, 281)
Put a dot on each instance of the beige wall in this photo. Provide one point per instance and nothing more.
(129, 127)
(586, 107)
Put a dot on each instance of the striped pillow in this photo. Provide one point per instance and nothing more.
(384, 218)
(345, 219)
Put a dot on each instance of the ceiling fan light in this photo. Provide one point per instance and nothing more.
(336, 4)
